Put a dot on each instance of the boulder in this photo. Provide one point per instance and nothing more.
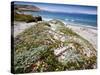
(35, 19)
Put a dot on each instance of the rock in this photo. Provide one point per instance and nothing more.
(26, 18)
(35, 19)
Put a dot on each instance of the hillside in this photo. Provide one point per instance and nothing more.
(52, 46)
(26, 7)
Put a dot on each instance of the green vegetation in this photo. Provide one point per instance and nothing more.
(50, 59)
(34, 50)
(84, 63)
(68, 31)
(26, 18)
(22, 17)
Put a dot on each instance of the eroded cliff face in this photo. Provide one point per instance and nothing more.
(26, 8)
(52, 46)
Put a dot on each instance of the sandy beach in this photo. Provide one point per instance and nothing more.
(88, 33)
(21, 26)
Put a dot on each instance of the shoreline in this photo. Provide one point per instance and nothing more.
(87, 32)
(80, 25)
(73, 24)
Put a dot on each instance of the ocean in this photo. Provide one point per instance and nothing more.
(70, 18)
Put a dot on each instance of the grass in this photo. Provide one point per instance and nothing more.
(34, 45)
(71, 33)
(68, 31)
(51, 60)
(22, 17)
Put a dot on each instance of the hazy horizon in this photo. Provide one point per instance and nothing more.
(64, 8)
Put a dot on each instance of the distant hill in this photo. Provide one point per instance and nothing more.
(26, 7)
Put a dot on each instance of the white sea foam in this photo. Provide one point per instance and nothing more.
(47, 19)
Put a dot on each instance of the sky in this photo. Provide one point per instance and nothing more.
(64, 8)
